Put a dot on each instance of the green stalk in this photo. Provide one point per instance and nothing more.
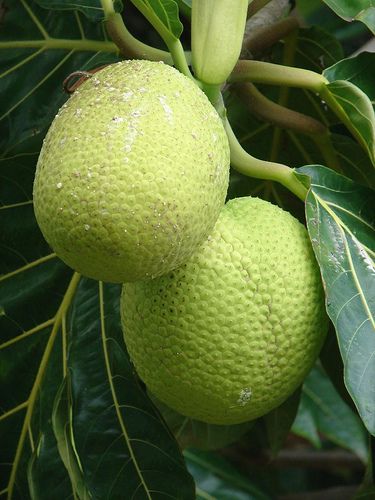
(61, 43)
(173, 43)
(129, 45)
(246, 164)
(276, 74)
(274, 113)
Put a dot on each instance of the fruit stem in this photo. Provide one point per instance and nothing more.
(213, 92)
(129, 45)
(277, 74)
(274, 113)
(179, 58)
(246, 164)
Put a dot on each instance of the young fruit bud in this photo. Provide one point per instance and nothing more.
(217, 30)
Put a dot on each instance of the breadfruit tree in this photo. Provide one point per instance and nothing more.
(187, 287)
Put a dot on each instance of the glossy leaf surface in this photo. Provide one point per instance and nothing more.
(359, 70)
(340, 219)
(352, 10)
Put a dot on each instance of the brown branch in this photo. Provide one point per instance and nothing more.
(262, 39)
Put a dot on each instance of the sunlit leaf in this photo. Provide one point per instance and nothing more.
(359, 70)
(355, 10)
(356, 110)
(340, 220)
(323, 413)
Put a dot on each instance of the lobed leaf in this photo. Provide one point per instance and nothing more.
(340, 220)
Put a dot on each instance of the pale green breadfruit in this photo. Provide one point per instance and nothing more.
(132, 174)
(230, 334)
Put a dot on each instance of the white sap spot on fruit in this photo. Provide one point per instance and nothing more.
(95, 81)
(87, 227)
(130, 136)
(117, 119)
(62, 141)
(127, 95)
(245, 396)
(78, 112)
(168, 111)
(214, 137)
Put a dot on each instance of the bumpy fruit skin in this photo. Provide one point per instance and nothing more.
(132, 174)
(231, 334)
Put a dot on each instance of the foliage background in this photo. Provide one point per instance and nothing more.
(75, 422)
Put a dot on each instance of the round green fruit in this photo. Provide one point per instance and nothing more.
(232, 333)
(132, 174)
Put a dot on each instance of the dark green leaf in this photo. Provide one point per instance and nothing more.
(359, 70)
(322, 412)
(31, 360)
(317, 49)
(193, 433)
(340, 220)
(185, 7)
(163, 15)
(279, 421)
(216, 479)
(63, 429)
(124, 448)
(333, 365)
(38, 50)
(91, 8)
(367, 488)
(352, 10)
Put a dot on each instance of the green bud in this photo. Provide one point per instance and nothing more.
(217, 32)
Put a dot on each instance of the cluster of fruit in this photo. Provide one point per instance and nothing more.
(222, 304)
